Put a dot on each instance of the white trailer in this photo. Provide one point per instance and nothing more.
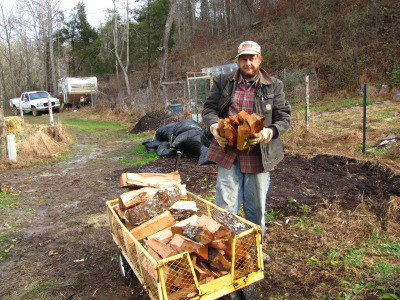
(77, 91)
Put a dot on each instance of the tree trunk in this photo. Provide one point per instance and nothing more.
(164, 51)
(2, 129)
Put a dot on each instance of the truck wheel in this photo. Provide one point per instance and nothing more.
(126, 270)
(35, 113)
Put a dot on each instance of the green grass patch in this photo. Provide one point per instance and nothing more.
(68, 239)
(137, 157)
(36, 291)
(369, 270)
(8, 200)
(7, 241)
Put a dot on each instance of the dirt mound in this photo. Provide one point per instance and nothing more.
(152, 121)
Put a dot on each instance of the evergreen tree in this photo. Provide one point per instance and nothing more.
(149, 30)
(83, 44)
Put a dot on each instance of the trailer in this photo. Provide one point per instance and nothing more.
(77, 91)
(175, 277)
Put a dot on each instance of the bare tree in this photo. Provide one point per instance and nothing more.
(164, 51)
(118, 54)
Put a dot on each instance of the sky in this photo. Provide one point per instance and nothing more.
(95, 9)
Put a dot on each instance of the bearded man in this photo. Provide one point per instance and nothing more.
(243, 176)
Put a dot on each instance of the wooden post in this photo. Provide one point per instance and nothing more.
(50, 113)
(21, 112)
(307, 102)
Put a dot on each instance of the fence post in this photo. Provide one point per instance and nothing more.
(50, 114)
(307, 102)
(364, 118)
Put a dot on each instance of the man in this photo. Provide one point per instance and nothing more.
(243, 176)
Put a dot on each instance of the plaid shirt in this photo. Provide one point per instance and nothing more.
(249, 161)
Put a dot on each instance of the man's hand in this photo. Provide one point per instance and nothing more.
(220, 140)
(264, 135)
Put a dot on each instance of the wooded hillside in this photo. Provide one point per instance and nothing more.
(343, 42)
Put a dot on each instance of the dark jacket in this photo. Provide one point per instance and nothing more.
(269, 102)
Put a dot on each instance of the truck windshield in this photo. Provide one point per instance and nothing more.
(38, 95)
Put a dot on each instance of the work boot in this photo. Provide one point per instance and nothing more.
(266, 258)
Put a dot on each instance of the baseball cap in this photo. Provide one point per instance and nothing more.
(249, 47)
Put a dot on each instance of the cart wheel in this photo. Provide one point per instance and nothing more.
(126, 270)
(249, 292)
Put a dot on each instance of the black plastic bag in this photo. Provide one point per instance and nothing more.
(164, 133)
(185, 125)
(165, 149)
(151, 144)
(206, 137)
(188, 141)
(202, 157)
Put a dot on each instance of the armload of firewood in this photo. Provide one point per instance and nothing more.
(157, 215)
(238, 128)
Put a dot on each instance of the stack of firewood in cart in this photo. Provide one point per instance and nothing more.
(158, 215)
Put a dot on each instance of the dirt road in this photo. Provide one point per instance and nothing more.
(63, 247)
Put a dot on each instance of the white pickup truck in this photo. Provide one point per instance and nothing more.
(35, 102)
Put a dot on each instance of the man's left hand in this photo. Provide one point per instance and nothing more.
(264, 136)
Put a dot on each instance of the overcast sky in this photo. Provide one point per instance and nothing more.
(95, 9)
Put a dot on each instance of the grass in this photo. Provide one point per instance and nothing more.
(38, 290)
(136, 156)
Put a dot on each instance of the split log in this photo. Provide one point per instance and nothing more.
(255, 122)
(164, 236)
(182, 210)
(221, 244)
(182, 187)
(218, 230)
(178, 227)
(160, 248)
(153, 225)
(202, 253)
(202, 272)
(199, 234)
(230, 221)
(217, 260)
(244, 132)
(160, 202)
(135, 180)
(181, 244)
(135, 197)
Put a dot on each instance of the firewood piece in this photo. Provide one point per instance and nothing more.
(135, 180)
(239, 251)
(255, 122)
(182, 210)
(178, 227)
(181, 244)
(160, 248)
(206, 280)
(135, 197)
(119, 212)
(182, 187)
(217, 260)
(221, 244)
(153, 225)
(198, 234)
(230, 132)
(230, 221)
(186, 292)
(235, 121)
(164, 236)
(148, 266)
(160, 202)
(202, 253)
(242, 116)
(218, 230)
(201, 271)
(221, 125)
(243, 132)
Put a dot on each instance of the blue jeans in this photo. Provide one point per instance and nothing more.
(233, 187)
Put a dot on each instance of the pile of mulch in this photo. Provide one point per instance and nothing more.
(152, 121)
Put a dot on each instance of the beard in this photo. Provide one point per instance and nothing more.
(250, 73)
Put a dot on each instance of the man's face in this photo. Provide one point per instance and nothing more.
(249, 65)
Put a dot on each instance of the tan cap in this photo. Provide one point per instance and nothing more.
(249, 47)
